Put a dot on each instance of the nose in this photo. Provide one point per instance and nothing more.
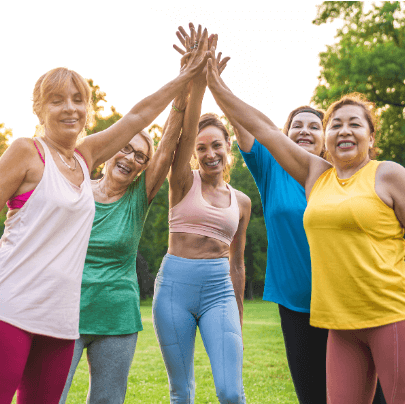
(210, 153)
(130, 156)
(69, 105)
(304, 131)
(344, 130)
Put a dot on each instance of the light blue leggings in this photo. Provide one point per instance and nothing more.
(109, 358)
(192, 292)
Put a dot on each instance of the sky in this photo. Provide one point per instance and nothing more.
(126, 47)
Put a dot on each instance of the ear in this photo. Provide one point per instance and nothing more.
(372, 140)
(228, 145)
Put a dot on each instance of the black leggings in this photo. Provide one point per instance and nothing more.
(306, 355)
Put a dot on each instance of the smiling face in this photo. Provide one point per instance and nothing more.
(64, 113)
(212, 150)
(123, 168)
(306, 131)
(348, 137)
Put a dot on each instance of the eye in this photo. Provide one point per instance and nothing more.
(335, 126)
(56, 101)
(314, 127)
(127, 149)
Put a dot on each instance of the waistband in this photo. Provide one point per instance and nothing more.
(194, 271)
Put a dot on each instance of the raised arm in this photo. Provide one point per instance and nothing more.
(180, 177)
(158, 168)
(237, 252)
(300, 164)
(99, 147)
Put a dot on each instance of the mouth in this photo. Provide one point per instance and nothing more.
(304, 141)
(213, 163)
(345, 144)
(124, 169)
(69, 121)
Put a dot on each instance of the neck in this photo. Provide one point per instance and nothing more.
(65, 147)
(347, 169)
(111, 188)
(216, 180)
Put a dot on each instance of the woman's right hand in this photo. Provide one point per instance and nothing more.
(196, 58)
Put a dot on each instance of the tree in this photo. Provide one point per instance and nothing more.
(368, 57)
(98, 121)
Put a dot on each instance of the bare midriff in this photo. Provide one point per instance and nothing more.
(194, 246)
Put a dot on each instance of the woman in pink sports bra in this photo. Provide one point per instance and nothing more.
(48, 226)
(201, 280)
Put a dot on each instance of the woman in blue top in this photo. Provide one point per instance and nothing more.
(288, 272)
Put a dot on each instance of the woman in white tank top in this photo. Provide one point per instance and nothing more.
(44, 244)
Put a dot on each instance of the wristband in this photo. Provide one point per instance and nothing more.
(176, 109)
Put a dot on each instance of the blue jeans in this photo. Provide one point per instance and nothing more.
(191, 292)
(109, 358)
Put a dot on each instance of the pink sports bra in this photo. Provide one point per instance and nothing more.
(18, 201)
(195, 215)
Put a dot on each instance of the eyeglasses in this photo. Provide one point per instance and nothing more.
(139, 156)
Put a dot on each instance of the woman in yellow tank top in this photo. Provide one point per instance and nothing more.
(355, 225)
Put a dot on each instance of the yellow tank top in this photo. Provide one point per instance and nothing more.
(357, 253)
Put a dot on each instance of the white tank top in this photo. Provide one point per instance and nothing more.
(42, 255)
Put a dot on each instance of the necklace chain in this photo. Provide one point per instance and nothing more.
(63, 161)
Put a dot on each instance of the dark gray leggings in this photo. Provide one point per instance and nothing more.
(109, 358)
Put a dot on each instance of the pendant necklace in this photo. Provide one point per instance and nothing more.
(63, 161)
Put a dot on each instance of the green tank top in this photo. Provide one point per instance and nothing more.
(109, 303)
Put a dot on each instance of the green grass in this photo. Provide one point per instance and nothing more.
(265, 371)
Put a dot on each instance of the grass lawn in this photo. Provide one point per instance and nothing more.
(265, 371)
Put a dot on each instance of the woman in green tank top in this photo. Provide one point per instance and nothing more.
(110, 315)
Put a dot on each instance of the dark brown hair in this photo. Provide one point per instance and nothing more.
(368, 107)
(211, 119)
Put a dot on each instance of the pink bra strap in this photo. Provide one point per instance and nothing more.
(40, 155)
(77, 151)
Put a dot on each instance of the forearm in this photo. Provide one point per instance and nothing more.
(237, 274)
(163, 158)
(189, 131)
(243, 116)
(150, 107)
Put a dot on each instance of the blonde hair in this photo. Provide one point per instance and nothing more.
(211, 119)
(54, 81)
(149, 141)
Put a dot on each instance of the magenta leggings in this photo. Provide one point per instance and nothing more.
(36, 366)
(355, 357)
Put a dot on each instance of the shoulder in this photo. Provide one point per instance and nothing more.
(23, 148)
(244, 201)
(390, 169)
(390, 173)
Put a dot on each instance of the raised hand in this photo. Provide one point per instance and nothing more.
(197, 46)
(215, 66)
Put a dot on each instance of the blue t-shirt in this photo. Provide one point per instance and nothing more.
(288, 272)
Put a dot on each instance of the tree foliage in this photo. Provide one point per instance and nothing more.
(368, 57)
(5, 135)
(98, 121)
